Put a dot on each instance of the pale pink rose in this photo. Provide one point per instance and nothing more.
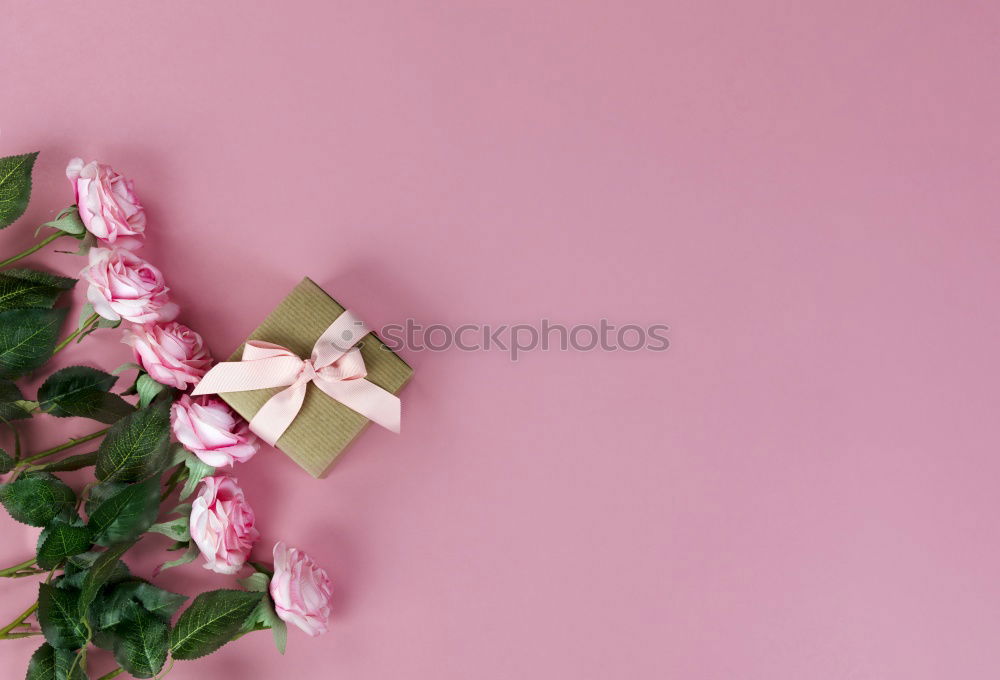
(222, 525)
(210, 430)
(301, 590)
(171, 353)
(107, 202)
(125, 286)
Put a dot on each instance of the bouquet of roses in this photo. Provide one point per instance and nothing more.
(160, 449)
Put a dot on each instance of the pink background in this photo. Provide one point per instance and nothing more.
(803, 486)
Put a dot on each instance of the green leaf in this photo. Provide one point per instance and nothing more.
(187, 557)
(68, 221)
(49, 663)
(35, 498)
(147, 388)
(279, 631)
(255, 582)
(104, 569)
(27, 338)
(127, 366)
(15, 186)
(101, 492)
(110, 609)
(107, 323)
(86, 316)
(127, 514)
(20, 288)
(211, 621)
(63, 540)
(142, 643)
(197, 471)
(59, 616)
(176, 529)
(83, 392)
(10, 398)
(6, 462)
(264, 616)
(136, 446)
(77, 568)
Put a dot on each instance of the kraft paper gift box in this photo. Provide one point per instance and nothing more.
(324, 427)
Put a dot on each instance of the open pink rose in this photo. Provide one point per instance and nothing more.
(125, 286)
(222, 525)
(107, 202)
(171, 353)
(209, 429)
(301, 590)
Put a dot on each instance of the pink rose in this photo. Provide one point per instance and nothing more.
(210, 430)
(301, 590)
(107, 203)
(222, 525)
(125, 286)
(172, 353)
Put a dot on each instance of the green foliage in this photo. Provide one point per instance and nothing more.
(59, 616)
(49, 663)
(197, 471)
(266, 617)
(156, 601)
(102, 571)
(83, 392)
(211, 621)
(255, 582)
(176, 529)
(36, 498)
(142, 642)
(27, 338)
(21, 288)
(6, 462)
(62, 540)
(68, 221)
(126, 514)
(189, 556)
(136, 446)
(15, 186)
(11, 402)
(147, 389)
(77, 569)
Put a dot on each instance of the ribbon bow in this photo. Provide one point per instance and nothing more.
(336, 367)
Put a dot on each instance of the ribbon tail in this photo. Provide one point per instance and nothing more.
(374, 403)
(278, 412)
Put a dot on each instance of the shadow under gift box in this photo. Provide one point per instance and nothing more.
(324, 427)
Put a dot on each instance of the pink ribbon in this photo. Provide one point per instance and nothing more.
(336, 367)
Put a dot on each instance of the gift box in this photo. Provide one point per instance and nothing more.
(323, 427)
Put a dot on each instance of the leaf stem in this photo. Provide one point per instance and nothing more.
(19, 620)
(90, 320)
(113, 674)
(11, 572)
(33, 249)
(62, 447)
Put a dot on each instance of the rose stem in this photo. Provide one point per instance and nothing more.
(72, 336)
(19, 620)
(62, 447)
(33, 249)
